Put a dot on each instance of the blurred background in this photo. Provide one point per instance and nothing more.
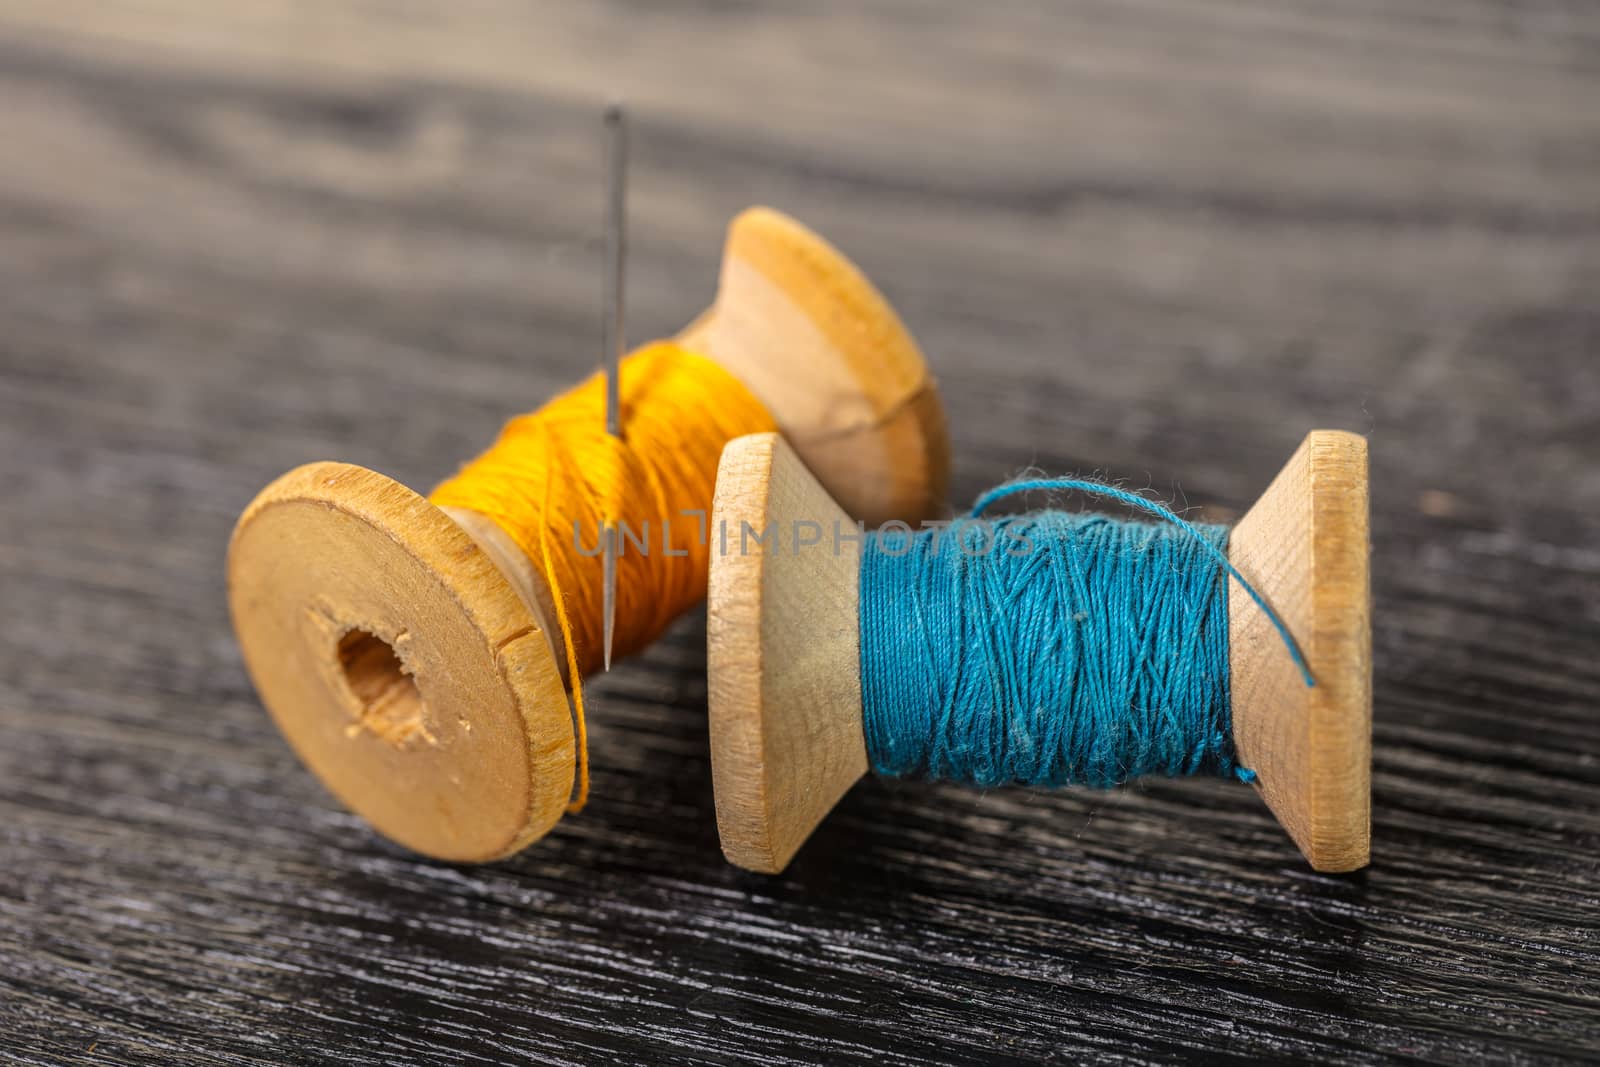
(1151, 239)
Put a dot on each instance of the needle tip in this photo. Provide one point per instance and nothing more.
(608, 605)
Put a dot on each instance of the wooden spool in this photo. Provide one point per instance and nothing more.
(409, 654)
(784, 652)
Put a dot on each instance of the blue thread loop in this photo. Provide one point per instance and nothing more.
(1137, 501)
(1050, 648)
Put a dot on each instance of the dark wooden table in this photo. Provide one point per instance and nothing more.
(1155, 240)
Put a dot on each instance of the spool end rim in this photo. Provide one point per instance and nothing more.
(1305, 546)
(784, 694)
(399, 663)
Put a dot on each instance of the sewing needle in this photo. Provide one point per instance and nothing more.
(611, 340)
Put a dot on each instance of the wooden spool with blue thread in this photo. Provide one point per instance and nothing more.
(785, 698)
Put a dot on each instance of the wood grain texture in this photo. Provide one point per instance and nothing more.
(1154, 240)
(403, 667)
(809, 335)
(783, 653)
(1305, 546)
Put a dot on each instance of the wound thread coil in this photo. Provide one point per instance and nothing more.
(1096, 655)
(1050, 648)
(555, 476)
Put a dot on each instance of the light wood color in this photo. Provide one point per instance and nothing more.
(823, 350)
(784, 654)
(407, 652)
(445, 723)
(1305, 547)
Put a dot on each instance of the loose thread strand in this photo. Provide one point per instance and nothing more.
(580, 723)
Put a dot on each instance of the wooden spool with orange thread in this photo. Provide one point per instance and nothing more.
(407, 651)
(784, 653)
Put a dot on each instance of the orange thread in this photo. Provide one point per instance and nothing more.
(554, 476)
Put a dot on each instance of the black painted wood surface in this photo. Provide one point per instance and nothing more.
(1156, 240)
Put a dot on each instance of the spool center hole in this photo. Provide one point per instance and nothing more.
(387, 700)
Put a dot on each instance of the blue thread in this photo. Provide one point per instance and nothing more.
(1050, 648)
